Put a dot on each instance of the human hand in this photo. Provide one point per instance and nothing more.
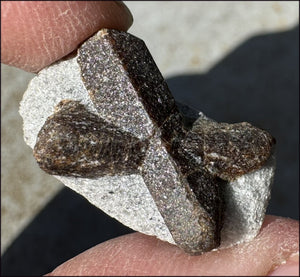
(36, 34)
(138, 254)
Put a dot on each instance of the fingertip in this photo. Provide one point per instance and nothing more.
(144, 255)
(36, 34)
(287, 268)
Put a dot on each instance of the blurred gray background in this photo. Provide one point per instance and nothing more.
(235, 61)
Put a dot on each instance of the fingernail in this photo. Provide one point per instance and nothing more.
(125, 8)
(288, 268)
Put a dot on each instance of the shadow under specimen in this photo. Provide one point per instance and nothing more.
(67, 226)
(258, 82)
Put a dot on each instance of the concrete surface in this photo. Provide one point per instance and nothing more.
(235, 61)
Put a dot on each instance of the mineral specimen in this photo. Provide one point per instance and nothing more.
(107, 126)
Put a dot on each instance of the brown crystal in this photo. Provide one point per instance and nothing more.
(75, 142)
(230, 150)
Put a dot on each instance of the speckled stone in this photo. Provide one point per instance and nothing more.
(118, 118)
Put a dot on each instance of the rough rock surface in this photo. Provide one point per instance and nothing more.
(106, 122)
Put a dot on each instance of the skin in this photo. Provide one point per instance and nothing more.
(138, 254)
(36, 34)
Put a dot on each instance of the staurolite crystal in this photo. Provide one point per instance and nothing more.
(106, 125)
(76, 142)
